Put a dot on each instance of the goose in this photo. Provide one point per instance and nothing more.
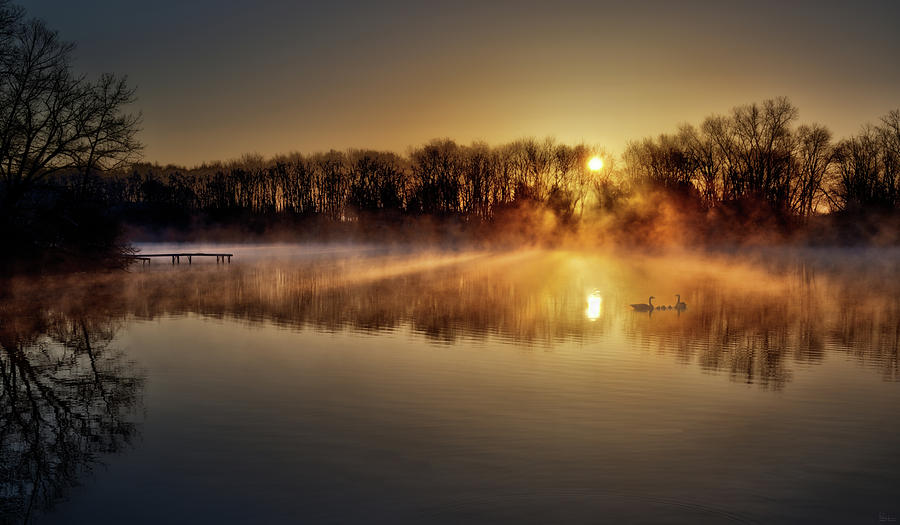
(641, 307)
(680, 305)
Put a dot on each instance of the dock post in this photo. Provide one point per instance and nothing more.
(229, 259)
(189, 259)
(173, 259)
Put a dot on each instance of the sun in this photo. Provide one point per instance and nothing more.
(595, 164)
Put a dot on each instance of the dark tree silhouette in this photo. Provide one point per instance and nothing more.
(868, 172)
(53, 120)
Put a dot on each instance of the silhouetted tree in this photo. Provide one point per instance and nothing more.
(867, 174)
(814, 156)
(52, 120)
(705, 163)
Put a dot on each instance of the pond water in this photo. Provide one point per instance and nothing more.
(357, 384)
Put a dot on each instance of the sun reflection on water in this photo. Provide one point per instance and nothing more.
(594, 306)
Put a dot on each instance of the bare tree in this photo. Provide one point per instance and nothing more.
(10, 16)
(868, 168)
(889, 139)
(109, 135)
(700, 149)
(52, 119)
(814, 156)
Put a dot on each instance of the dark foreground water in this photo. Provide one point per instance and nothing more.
(359, 386)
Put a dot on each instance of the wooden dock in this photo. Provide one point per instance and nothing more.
(176, 257)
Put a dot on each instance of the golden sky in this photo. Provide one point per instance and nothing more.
(217, 79)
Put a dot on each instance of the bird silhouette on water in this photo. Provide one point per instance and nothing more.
(680, 306)
(641, 307)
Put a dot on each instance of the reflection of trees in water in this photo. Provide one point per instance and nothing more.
(750, 339)
(756, 335)
(756, 329)
(499, 298)
(753, 333)
(66, 397)
(872, 337)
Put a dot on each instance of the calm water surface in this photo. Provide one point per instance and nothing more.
(352, 385)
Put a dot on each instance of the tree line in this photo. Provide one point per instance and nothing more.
(441, 178)
(754, 154)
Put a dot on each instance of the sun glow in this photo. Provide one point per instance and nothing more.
(595, 164)
(594, 306)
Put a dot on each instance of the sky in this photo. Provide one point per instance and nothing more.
(217, 79)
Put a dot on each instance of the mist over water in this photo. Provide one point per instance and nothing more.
(355, 383)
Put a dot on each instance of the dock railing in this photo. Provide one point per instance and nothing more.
(176, 257)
